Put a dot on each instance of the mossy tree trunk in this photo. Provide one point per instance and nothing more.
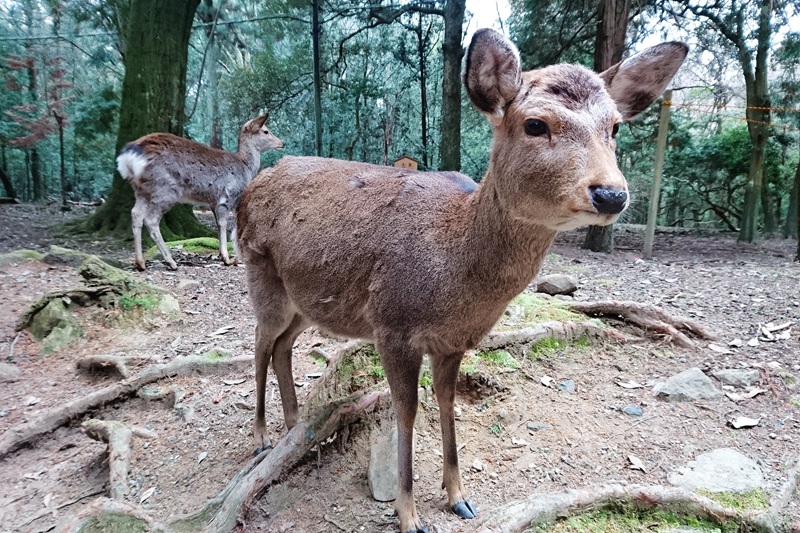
(155, 52)
(452, 52)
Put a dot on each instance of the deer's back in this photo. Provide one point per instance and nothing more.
(197, 172)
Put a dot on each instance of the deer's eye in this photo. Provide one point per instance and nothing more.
(535, 127)
(614, 130)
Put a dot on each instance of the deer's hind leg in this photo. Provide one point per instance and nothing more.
(221, 217)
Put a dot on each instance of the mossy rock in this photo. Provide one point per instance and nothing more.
(528, 309)
(198, 245)
(61, 336)
(18, 256)
(49, 318)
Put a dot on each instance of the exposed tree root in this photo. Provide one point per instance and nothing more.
(118, 438)
(567, 331)
(540, 509)
(652, 319)
(26, 432)
(107, 364)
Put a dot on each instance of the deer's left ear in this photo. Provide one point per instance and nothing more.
(260, 121)
(635, 83)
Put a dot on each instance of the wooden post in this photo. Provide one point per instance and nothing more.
(661, 147)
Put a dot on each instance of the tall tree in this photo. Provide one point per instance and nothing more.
(35, 166)
(155, 52)
(452, 51)
(612, 24)
(747, 27)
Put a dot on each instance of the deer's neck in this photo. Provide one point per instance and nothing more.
(504, 254)
(251, 157)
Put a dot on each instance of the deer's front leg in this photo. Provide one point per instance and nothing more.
(402, 365)
(445, 378)
(221, 216)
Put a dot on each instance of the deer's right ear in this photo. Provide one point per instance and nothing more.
(492, 73)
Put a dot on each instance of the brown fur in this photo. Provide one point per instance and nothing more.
(426, 262)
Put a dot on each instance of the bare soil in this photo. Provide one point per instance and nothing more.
(735, 289)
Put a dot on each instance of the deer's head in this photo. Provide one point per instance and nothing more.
(553, 160)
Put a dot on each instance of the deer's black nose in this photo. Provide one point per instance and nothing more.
(608, 201)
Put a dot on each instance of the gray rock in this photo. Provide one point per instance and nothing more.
(689, 385)
(633, 410)
(553, 284)
(738, 377)
(8, 373)
(382, 470)
(722, 470)
(63, 334)
(188, 285)
(64, 256)
(566, 385)
(169, 305)
(537, 426)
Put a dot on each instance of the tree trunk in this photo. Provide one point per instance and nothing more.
(315, 31)
(790, 229)
(35, 167)
(7, 185)
(758, 118)
(423, 89)
(768, 208)
(153, 94)
(215, 138)
(62, 166)
(452, 52)
(612, 24)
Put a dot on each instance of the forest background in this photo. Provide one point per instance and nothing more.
(372, 80)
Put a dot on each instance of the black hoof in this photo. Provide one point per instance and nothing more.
(465, 509)
(260, 450)
(420, 530)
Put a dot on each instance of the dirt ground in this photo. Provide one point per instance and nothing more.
(732, 288)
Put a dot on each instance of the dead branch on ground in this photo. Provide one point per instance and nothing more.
(118, 438)
(21, 434)
(652, 319)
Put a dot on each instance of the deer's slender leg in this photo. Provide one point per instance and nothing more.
(282, 364)
(402, 365)
(151, 221)
(221, 216)
(445, 378)
(137, 218)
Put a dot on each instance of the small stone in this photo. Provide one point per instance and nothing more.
(738, 377)
(774, 365)
(689, 385)
(537, 426)
(478, 466)
(633, 410)
(287, 526)
(554, 284)
(721, 470)
(188, 285)
(382, 469)
(502, 413)
(566, 385)
(773, 436)
(8, 373)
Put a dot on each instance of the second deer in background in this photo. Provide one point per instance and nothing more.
(165, 169)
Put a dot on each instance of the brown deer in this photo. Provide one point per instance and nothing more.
(426, 262)
(165, 169)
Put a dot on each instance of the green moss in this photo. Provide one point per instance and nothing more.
(130, 300)
(426, 379)
(469, 365)
(755, 499)
(198, 245)
(17, 256)
(217, 354)
(549, 347)
(496, 429)
(107, 522)
(500, 358)
(629, 519)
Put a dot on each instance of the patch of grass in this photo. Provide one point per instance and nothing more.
(17, 256)
(628, 519)
(496, 429)
(469, 365)
(500, 358)
(217, 354)
(198, 245)
(548, 347)
(755, 499)
(131, 300)
(530, 309)
(426, 379)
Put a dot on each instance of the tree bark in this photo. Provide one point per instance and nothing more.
(452, 51)
(422, 39)
(315, 31)
(9, 187)
(790, 229)
(35, 167)
(612, 24)
(153, 94)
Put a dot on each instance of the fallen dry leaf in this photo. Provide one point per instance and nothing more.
(146, 494)
(636, 463)
(743, 422)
